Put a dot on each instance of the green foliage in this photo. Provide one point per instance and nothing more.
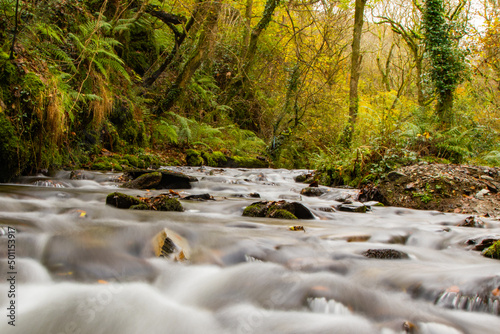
(447, 59)
(96, 49)
(11, 150)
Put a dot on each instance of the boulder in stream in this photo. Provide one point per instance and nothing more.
(122, 201)
(493, 251)
(145, 181)
(163, 202)
(275, 209)
(169, 179)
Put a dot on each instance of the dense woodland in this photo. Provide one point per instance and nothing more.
(354, 88)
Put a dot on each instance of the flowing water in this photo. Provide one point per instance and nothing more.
(84, 267)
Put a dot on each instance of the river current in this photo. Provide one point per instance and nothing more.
(81, 266)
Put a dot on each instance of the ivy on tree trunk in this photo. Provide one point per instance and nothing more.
(447, 60)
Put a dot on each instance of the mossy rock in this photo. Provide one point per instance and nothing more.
(275, 210)
(122, 201)
(132, 160)
(145, 181)
(142, 206)
(258, 209)
(214, 159)
(282, 214)
(246, 162)
(166, 203)
(169, 179)
(103, 165)
(193, 158)
(493, 251)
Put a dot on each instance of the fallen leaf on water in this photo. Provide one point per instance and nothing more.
(101, 281)
(496, 292)
(296, 228)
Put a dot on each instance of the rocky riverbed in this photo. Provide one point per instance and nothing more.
(442, 187)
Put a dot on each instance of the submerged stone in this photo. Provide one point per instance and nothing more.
(200, 197)
(385, 254)
(313, 191)
(472, 221)
(354, 207)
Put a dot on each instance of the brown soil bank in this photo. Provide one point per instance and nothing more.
(442, 187)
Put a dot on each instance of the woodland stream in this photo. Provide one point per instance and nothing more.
(85, 267)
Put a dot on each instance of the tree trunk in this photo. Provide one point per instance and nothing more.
(355, 71)
(179, 39)
(196, 57)
(248, 27)
(11, 56)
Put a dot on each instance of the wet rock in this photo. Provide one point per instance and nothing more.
(304, 178)
(373, 203)
(170, 244)
(472, 221)
(142, 206)
(493, 251)
(254, 195)
(165, 203)
(385, 254)
(200, 197)
(481, 243)
(145, 181)
(270, 209)
(313, 191)
(353, 207)
(282, 214)
(122, 201)
(169, 179)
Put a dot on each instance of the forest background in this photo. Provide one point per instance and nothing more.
(352, 88)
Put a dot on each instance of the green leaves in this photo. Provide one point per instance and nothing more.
(446, 58)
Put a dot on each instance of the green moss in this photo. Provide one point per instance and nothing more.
(246, 162)
(169, 204)
(122, 201)
(32, 84)
(8, 72)
(132, 160)
(11, 152)
(493, 251)
(141, 206)
(193, 158)
(282, 214)
(255, 210)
